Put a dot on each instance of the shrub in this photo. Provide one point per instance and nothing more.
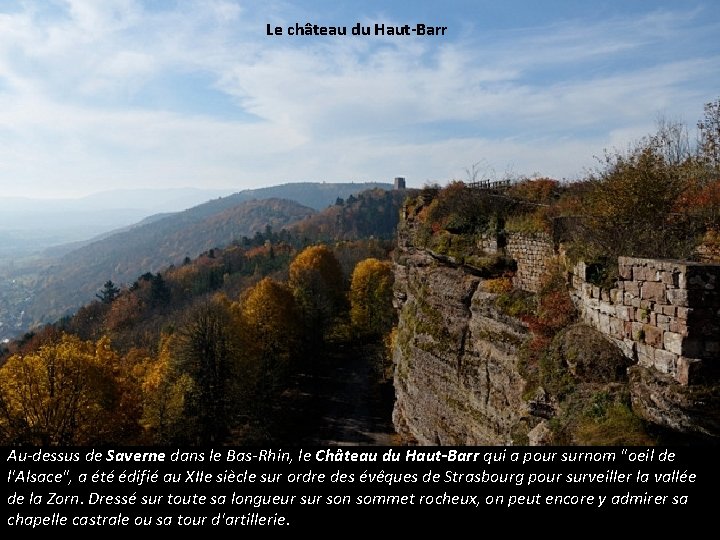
(555, 307)
(497, 285)
(631, 208)
(609, 420)
(516, 303)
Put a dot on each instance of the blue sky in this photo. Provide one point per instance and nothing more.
(97, 95)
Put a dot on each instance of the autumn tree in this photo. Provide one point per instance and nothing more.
(62, 394)
(658, 198)
(700, 201)
(538, 191)
(207, 351)
(371, 293)
(534, 204)
(164, 390)
(87, 322)
(123, 312)
(272, 330)
(152, 289)
(316, 279)
(459, 209)
(701, 198)
(630, 208)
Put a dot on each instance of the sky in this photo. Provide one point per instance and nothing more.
(123, 94)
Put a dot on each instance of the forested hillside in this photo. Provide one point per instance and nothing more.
(228, 346)
(66, 277)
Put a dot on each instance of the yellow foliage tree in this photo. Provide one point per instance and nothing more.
(316, 278)
(62, 394)
(164, 392)
(371, 291)
(271, 316)
(272, 330)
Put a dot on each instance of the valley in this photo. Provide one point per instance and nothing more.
(40, 286)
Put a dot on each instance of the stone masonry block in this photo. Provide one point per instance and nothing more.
(616, 328)
(646, 355)
(678, 297)
(644, 273)
(653, 336)
(667, 278)
(628, 330)
(654, 291)
(665, 361)
(604, 323)
(608, 309)
(632, 287)
(679, 327)
(673, 342)
(637, 331)
(625, 270)
(625, 313)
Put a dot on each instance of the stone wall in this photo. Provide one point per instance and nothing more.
(663, 313)
(533, 254)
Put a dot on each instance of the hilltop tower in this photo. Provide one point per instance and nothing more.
(399, 182)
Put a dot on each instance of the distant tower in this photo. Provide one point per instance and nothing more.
(399, 182)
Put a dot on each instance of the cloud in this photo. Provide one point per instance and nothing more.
(96, 94)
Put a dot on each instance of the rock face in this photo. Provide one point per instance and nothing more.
(693, 410)
(456, 375)
(457, 368)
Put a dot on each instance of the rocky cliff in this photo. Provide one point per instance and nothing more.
(461, 364)
(456, 375)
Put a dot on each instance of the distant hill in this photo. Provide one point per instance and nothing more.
(55, 252)
(121, 257)
(30, 225)
(159, 241)
(317, 195)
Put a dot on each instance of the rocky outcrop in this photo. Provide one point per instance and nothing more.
(456, 375)
(458, 378)
(692, 410)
